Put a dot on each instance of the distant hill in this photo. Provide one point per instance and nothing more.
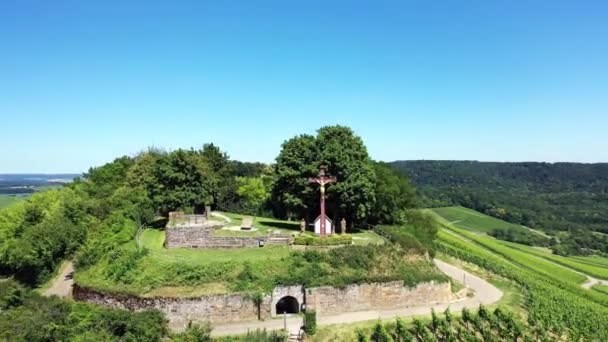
(12, 184)
(549, 196)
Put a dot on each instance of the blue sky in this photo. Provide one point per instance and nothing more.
(82, 82)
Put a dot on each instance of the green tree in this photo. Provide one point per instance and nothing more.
(346, 158)
(394, 193)
(254, 191)
(292, 195)
(184, 181)
(221, 173)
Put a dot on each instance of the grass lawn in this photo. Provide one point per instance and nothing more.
(265, 225)
(474, 221)
(153, 239)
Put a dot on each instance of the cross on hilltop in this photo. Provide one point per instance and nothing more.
(322, 179)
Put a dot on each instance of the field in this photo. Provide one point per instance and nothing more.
(6, 200)
(474, 221)
(551, 285)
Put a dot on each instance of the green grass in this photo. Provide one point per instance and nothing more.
(524, 259)
(601, 288)
(263, 226)
(7, 200)
(153, 239)
(587, 268)
(474, 221)
(148, 269)
(591, 260)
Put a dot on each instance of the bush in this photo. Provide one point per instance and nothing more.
(308, 239)
(310, 322)
(11, 294)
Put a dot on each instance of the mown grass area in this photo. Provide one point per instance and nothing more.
(153, 239)
(262, 225)
(474, 221)
(265, 225)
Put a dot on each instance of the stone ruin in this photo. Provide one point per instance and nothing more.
(198, 231)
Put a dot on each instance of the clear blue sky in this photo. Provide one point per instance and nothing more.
(82, 83)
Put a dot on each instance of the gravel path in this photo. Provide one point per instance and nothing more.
(62, 284)
(485, 293)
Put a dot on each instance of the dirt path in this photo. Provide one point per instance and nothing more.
(62, 284)
(485, 293)
(591, 282)
(222, 216)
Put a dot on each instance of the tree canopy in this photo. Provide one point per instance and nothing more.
(346, 158)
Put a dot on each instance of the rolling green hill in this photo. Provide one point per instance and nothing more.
(474, 221)
(551, 285)
(550, 197)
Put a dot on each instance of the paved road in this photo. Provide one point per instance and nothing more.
(62, 284)
(485, 293)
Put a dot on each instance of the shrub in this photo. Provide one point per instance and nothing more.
(310, 322)
(313, 240)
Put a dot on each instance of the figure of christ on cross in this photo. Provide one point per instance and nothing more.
(322, 180)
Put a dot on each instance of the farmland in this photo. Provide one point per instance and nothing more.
(553, 295)
(474, 221)
(6, 200)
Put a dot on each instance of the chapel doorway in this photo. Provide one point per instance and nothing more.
(287, 304)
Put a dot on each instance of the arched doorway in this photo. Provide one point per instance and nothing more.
(287, 304)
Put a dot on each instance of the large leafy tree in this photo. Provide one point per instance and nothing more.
(346, 158)
(292, 195)
(222, 188)
(394, 193)
(184, 181)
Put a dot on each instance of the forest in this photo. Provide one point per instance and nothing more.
(567, 200)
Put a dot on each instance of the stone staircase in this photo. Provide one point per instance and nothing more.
(295, 336)
(279, 239)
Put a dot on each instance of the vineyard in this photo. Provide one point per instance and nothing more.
(482, 325)
(557, 305)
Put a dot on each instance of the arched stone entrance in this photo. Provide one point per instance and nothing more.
(287, 304)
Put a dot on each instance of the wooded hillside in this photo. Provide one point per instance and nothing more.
(559, 197)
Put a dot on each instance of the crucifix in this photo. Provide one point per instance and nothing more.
(322, 180)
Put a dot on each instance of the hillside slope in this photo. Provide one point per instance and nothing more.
(552, 197)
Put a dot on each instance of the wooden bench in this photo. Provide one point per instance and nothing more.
(247, 223)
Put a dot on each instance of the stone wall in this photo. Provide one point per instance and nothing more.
(325, 300)
(180, 311)
(329, 300)
(202, 237)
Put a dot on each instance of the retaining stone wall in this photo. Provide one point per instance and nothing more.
(329, 300)
(180, 311)
(202, 237)
(325, 300)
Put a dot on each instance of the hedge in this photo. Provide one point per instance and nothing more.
(332, 240)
